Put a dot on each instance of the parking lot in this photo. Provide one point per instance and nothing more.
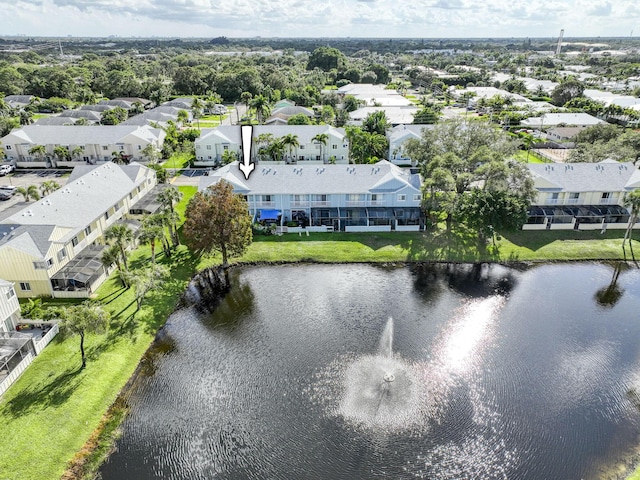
(25, 178)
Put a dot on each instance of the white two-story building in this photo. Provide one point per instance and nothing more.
(212, 144)
(85, 144)
(351, 198)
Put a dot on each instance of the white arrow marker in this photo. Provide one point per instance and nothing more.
(247, 166)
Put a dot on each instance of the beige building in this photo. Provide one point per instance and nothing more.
(53, 246)
(9, 307)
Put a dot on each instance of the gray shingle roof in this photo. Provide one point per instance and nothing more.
(31, 239)
(82, 135)
(315, 179)
(587, 177)
(82, 199)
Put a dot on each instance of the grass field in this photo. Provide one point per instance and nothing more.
(50, 413)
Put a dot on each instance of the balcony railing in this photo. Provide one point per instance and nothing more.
(264, 204)
(303, 203)
(552, 201)
(607, 201)
(573, 201)
(320, 203)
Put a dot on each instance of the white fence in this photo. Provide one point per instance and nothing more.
(16, 372)
(26, 361)
(44, 341)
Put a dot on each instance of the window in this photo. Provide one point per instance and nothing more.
(139, 147)
(267, 198)
(106, 215)
(25, 286)
(225, 147)
(86, 159)
(374, 197)
(40, 265)
(208, 147)
(574, 196)
(49, 262)
(606, 195)
(62, 254)
(317, 157)
(197, 147)
(417, 197)
(74, 241)
(105, 147)
(301, 147)
(334, 147)
(402, 197)
(8, 147)
(121, 147)
(319, 198)
(10, 293)
(87, 230)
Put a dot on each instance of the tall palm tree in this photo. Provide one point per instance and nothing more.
(261, 105)
(290, 141)
(149, 234)
(110, 256)
(632, 199)
(121, 236)
(197, 107)
(275, 149)
(29, 192)
(169, 198)
(321, 139)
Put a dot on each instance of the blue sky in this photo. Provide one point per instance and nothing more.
(321, 18)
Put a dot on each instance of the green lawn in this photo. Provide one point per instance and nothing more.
(533, 157)
(51, 412)
(177, 161)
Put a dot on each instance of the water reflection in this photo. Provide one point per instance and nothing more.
(502, 373)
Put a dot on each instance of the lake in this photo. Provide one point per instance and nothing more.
(367, 372)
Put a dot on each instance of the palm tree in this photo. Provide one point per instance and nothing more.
(110, 256)
(49, 186)
(261, 105)
(121, 235)
(77, 152)
(169, 198)
(149, 234)
(275, 149)
(290, 141)
(119, 157)
(197, 106)
(29, 192)
(321, 139)
(183, 117)
(631, 199)
(26, 117)
(39, 151)
(61, 152)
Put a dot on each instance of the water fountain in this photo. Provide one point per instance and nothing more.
(382, 391)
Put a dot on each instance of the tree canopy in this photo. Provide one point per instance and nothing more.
(218, 220)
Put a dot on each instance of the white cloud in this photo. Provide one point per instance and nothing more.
(306, 18)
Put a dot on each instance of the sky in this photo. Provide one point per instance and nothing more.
(321, 18)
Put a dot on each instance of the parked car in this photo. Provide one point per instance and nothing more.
(5, 195)
(8, 188)
(5, 169)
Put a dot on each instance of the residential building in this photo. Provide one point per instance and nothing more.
(561, 119)
(281, 115)
(91, 144)
(9, 307)
(581, 195)
(18, 101)
(52, 247)
(398, 137)
(395, 115)
(351, 198)
(212, 144)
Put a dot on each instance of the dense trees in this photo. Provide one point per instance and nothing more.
(458, 157)
(217, 220)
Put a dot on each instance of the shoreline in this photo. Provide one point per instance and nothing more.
(108, 431)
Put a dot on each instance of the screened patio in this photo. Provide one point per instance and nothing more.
(81, 271)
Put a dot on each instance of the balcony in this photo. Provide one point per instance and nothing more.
(304, 203)
(263, 204)
(320, 203)
(573, 201)
(552, 201)
(607, 201)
